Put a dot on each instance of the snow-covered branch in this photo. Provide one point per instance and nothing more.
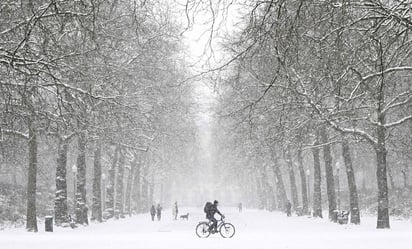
(60, 136)
(325, 117)
(399, 122)
(15, 133)
(392, 103)
(128, 146)
(386, 71)
(370, 76)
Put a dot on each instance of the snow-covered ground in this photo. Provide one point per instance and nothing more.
(254, 230)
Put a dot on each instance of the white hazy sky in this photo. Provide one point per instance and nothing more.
(196, 43)
(203, 55)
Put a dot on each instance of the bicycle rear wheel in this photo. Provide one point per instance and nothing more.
(227, 230)
(202, 230)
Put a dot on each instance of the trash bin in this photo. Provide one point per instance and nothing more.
(299, 211)
(343, 218)
(49, 223)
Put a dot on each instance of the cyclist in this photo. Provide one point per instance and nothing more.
(210, 215)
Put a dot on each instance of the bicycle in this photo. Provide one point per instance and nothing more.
(226, 230)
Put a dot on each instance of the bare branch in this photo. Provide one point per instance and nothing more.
(15, 133)
(399, 122)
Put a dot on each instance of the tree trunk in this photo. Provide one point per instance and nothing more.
(137, 188)
(260, 192)
(292, 179)
(60, 202)
(380, 148)
(270, 191)
(97, 181)
(31, 218)
(305, 204)
(111, 186)
(145, 190)
(330, 183)
(271, 199)
(405, 177)
(129, 186)
(120, 185)
(81, 201)
(353, 193)
(317, 196)
(381, 174)
(280, 186)
(151, 192)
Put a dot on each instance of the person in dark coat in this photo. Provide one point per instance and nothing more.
(288, 208)
(175, 210)
(210, 215)
(159, 212)
(153, 212)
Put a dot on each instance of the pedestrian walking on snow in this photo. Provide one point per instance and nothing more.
(175, 211)
(288, 208)
(153, 212)
(159, 212)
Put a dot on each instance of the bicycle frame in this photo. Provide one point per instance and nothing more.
(220, 222)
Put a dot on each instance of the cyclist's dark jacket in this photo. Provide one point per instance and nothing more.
(212, 211)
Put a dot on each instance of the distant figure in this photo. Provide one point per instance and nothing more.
(240, 207)
(288, 208)
(159, 212)
(153, 212)
(175, 211)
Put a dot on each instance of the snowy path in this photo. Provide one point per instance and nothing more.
(255, 230)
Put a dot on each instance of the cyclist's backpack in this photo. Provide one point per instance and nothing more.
(207, 207)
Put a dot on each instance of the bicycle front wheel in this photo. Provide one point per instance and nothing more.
(202, 230)
(227, 230)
